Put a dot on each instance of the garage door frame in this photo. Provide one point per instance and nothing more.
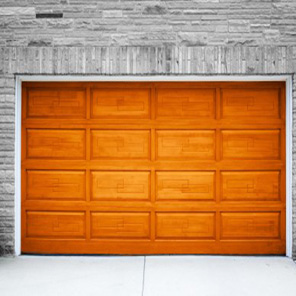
(160, 78)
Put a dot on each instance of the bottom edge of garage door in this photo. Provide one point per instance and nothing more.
(119, 248)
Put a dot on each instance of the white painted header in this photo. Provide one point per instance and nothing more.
(167, 78)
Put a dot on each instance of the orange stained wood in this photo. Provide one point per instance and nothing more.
(153, 168)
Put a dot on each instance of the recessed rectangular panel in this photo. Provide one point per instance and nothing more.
(185, 185)
(120, 103)
(51, 103)
(185, 144)
(120, 144)
(120, 225)
(250, 225)
(55, 224)
(250, 185)
(55, 185)
(120, 185)
(55, 144)
(251, 144)
(185, 103)
(255, 103)
(185, 225)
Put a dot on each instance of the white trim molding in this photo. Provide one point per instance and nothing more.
(167, 78)
(289, 164)
(17, 164)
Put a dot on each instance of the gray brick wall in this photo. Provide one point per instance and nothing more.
(202, 37)
(150, 23)
(7, 108)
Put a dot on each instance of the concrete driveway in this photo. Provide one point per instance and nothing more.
(149, 276)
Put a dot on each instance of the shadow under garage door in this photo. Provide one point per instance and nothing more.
(151, 168)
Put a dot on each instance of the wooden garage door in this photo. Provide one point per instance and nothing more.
(148, 168)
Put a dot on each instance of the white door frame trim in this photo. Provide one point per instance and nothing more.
(134, 78)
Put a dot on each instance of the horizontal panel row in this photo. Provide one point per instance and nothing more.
(135, 185)
(170, 144)
(118, 225)
(171, 103)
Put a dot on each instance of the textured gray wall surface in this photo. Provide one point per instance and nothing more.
(118, 37)
(152, 23)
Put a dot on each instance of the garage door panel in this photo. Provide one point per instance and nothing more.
(185, 144)
(56, 103)
(251, 144)
(120, 103)
(120, 144)
(185, 225)
(55, 185)
(56, 144)
(254, 103)
(185, 185)
(148, 168)
(120, 225)
(185, 103)
(252, 185)
(250, 225)
(120, 185)
(70, 225)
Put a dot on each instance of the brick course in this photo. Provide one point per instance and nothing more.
(200, 37)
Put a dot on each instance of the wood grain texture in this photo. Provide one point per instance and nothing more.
(262, 185)
(55, 185)
(56, 144)
(120, 103)
(253, 103)
(52, 103)
(120, 185)
(120, 225)
(153, 168)
(182, 144)
(185, 185)
(185, 225)
(185, 103)
(251, 144)
(55, 224)
(120, 144)
(250, 225)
